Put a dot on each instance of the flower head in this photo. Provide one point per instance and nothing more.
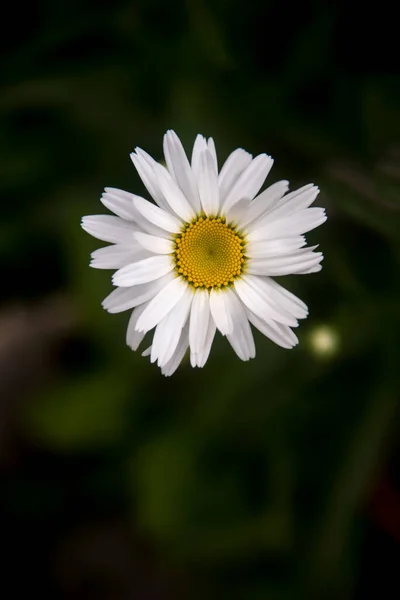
(201, 257)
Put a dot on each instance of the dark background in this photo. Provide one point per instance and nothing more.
(275, 479)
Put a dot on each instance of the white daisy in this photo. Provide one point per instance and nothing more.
(201, 258)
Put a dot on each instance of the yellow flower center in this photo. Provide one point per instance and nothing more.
(209, 253)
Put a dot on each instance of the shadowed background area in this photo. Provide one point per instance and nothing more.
(277, 478)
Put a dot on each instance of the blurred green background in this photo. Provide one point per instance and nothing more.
(275, 479)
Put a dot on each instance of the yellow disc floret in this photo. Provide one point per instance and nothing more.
(209, 253)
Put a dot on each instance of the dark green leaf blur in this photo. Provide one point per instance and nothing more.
(276, 479)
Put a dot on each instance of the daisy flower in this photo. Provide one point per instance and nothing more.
(201, 257)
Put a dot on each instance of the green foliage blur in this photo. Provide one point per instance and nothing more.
(241, 480)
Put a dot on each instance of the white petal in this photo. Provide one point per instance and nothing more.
(119, 202)
(255, 295)
(199, 145)
(108, 228)
(179, 167)
(180, 351)
(235, 214)
(221, 311)
(123, 298)
(250, 181)
(286, 299)
(299, 194)
(241, 338)
(117, 256)
(199, 317)
(213, 152)
(312, 269)
(268, 248)
(285, 265)
(122, 203)
(133, 337)
(161, 304)
(143, 271)
(297, 223)
(208, 184)
(144, 164)
(200, 359)
(153, 243)
(168, 331)
(231, 170)
(295, 253)
(157, 216)
(264, 201)
(141, 221)
(299, 200)
(173, 194)
(278, 333)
